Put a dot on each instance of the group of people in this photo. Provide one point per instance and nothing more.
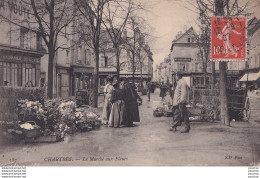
(121, 103)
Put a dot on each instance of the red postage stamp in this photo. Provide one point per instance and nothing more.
(228, 38)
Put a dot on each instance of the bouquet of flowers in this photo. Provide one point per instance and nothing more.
(87, 120)
(30, 111)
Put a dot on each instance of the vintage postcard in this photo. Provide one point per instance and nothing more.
(129, 83)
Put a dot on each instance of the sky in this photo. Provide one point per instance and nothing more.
(168, 17)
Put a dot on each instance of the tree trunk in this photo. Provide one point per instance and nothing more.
(205, 74)
(223, 94)
(118, 63)
(50, 73)
(133, 68)
(141, 71)
(95, 78)
(224, 113)
(213, 76)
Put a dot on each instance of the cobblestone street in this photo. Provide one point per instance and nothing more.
(149, 143)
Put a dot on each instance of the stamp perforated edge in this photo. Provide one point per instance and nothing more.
(230, 60)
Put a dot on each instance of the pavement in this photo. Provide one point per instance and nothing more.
(149, 143)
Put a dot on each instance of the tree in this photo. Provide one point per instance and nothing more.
(224, 8)
(51, 17)
(143, 54)
(115, 19)
(203, 41)
(92, 11)
(135, 42)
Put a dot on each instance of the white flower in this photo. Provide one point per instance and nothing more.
(27, 126)
(29, 104)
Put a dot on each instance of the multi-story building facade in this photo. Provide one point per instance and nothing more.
(253, 45)
(143, 67)
(73, 64)
(185, 58)
(21, 49)
(24, 58)
(252, 72)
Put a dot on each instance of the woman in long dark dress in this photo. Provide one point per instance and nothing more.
(131, 104)
(118, 111)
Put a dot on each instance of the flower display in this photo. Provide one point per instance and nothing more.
(56, 117)
(30, 111)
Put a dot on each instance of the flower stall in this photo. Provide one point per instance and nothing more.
(50, 121)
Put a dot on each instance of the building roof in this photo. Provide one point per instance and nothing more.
(184, 52)
(189, 30)
(177, 40)
(253, 25)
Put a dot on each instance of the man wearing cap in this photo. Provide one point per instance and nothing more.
(180, 100)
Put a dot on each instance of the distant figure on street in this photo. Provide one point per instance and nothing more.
(149, 89)
(107, 104)
(163, 89)
(169, 95)
(180, 100)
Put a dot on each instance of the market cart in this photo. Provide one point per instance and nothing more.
(238, 104)
(84, 97)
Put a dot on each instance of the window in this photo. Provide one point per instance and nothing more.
(28, 39)
(67, 57)
(198, 81)
(17, 74)
(231, 65)
(25, 37)
(196, 67)
(79, 53)
(258, 61)
(129, 66)
(137, 66)
(188, 40)
(87, 56)
(183, 67)
(106, 61)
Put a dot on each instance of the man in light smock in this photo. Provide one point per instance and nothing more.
(180, 100)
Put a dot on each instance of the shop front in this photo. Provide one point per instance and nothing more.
(81, 78)
(251, 79)
(63, 82)
(19, 68)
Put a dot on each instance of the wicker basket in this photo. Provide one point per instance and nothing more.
(32, 133)
(157, 113)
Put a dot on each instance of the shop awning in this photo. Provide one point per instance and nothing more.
(250, 77)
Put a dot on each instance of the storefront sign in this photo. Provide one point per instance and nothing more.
(17, 58)
(228, 38)
(15, 8)
(78, 69)
(182, 59)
